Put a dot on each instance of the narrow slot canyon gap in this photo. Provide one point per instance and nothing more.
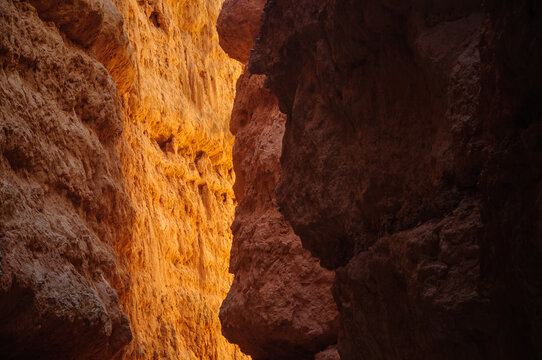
(270, 180)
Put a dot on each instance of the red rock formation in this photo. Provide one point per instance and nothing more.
(102, 193)
(404, 167)
(330, 353)
(280, 304)
(409, 144)
(238, 24)
(510, 182)
(63, 205)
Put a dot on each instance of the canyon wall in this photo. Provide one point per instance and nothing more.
(179, 173)
(280, 304)
(398, 143)
(63, 201)
(409, 166)
(116, 178)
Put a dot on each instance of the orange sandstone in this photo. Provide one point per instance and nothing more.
(115, 199)
(176, 157)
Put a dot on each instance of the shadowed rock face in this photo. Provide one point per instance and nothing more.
(370, 92)
(63, 205)
(280, 304)
(407, 166)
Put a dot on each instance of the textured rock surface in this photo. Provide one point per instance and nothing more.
(63, 204)
(238, 24)
(102, 192)
(407, 165)
(330, 353)
(179, 174)
(280, 304)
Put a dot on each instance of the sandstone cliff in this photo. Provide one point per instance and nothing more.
(114, 191)
(280, 304)
(397, 142)
(63, 201)
(408, 165)
(179, 173)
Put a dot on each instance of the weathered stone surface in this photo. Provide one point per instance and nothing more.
(404, 167)
(344, 205)
(280, 304)
(98, 25)
(330, 353)
(63, 201)
(409, 166)
(89, 177)
(176, 158)
(238, 24)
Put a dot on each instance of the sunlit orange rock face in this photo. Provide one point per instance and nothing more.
(116, 199)
(280, 304)
(177, 163)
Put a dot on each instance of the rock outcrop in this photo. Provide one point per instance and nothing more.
(114, 196)
(179, 173)
(396, 143)
(63, 200)
(408, 166)
(280, 304)
(238, 25)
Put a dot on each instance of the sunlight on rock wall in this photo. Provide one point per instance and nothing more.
(176, 158)
(142, 169)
